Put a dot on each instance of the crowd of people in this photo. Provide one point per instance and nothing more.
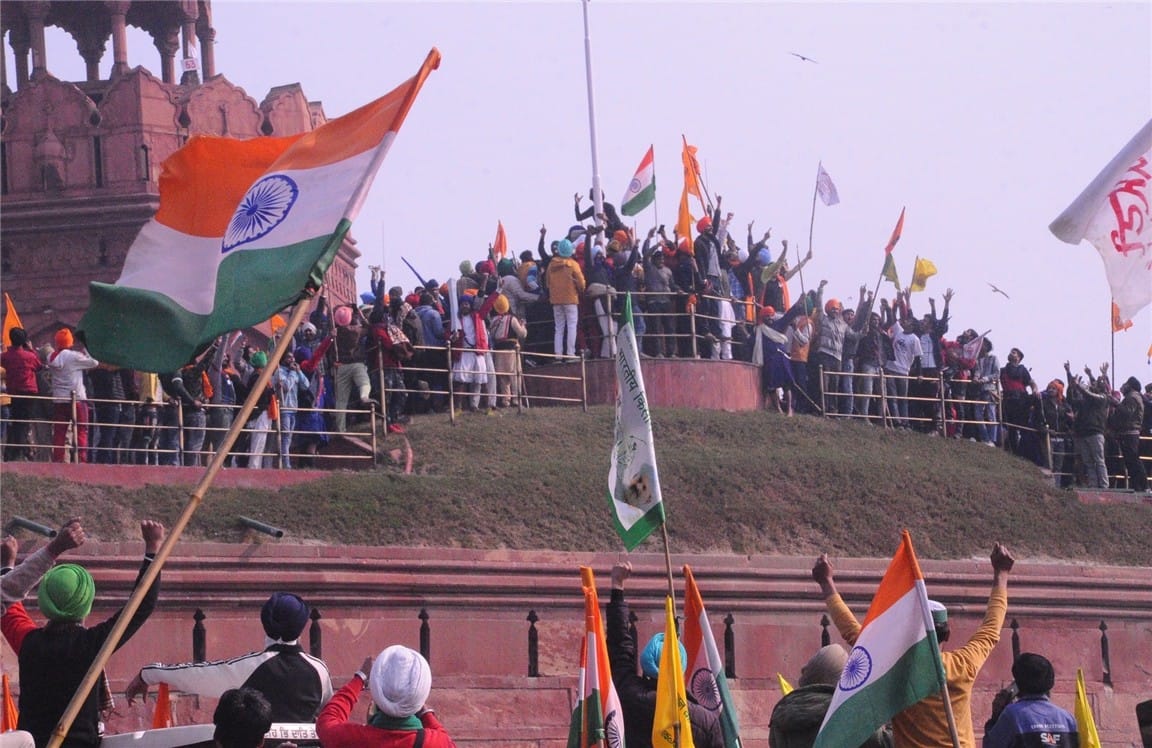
(710, 297)
(282, 683)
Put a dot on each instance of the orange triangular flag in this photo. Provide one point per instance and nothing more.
(10, 716)
(896, 232)
(162, 717)
(1119, 324)
(500, 246)
(11, 319)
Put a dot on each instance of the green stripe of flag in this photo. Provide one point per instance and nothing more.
(148, 331)
(916, 673)
(642, 200)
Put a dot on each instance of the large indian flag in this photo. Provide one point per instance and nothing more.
(597, 719)
(896, 660)
(641, 190)
(633, 483)
(706, 680)
(244, 227)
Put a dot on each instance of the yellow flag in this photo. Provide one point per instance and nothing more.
(785, 686)
(923, 270)
(11, 319)
(670, 726)
(1089, 738)
(684, 220)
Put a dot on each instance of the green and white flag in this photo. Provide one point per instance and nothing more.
(633, 482)
(641, 190)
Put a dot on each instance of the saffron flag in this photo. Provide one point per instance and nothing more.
(921, 272)
(244, 226)
(633, 482)
(670, 725)
(10, 717)
(597, 719)
(693, 181)
(500, 245)
(1119, 324)
(896, 660)
(889, 271)
(1085, 722)
(706, 677)
(641, 190)
(785, 686)
(11, 320)
(684, 218)
(825, 188)
(896, 232)
(1114, 213)
(162, 714)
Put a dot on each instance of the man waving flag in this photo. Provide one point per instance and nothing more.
(244, 226)
(895, 662)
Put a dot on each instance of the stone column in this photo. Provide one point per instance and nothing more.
(207, 36)
(19, 40)
(118, 10)
(168, 43)
(90, 43)
(189, 12)
(35, 12)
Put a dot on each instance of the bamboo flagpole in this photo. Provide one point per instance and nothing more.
(173, 536)
(811, 231)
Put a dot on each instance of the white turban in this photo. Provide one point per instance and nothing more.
(400, 681)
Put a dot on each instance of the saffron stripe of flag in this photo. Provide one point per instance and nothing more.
(598, 719)
(243, 228)
(11, 320)
(896, 232)
(641, 190)
(706, 679)
(896, 661)
(633, 481)
(670, 724)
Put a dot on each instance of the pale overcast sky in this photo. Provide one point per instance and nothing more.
(984, 119)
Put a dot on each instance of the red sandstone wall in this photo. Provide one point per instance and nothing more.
(478, 601)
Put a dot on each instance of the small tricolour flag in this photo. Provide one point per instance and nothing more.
(641, 190)
(896, 661)
(1114, 213)
(244, 227)
(706, 680)
(671, 727)
(633, 482)
(825, 188)
(597, 719)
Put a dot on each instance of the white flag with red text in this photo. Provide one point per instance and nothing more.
(1114, 213)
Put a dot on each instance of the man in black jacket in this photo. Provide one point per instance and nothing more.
(55, 658)
(638, 692)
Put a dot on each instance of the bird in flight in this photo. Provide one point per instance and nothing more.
(997, 290)
(802, 57)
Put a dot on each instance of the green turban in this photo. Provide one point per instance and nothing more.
(66, 593)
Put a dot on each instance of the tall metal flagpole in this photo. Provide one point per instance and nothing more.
(597, 193)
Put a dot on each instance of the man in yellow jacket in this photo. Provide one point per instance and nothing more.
(925, 723)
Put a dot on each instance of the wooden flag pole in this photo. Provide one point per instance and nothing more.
(173, 536)
(668, 564)
(949, 714)
(811, 229)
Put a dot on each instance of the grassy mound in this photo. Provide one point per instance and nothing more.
(740, 483)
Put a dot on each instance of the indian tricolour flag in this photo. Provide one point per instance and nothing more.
(642, 189)
(706, 680)
(896, 660)
(597, 719)
(633, 483)
(244, 227)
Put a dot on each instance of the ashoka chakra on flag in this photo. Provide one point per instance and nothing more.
(264, 208)
(857, 670)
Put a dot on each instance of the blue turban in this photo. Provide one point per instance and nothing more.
(564, 248)
(763, 256)
(650, 657)
(284, 616)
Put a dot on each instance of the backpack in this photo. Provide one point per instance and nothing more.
(401, 345)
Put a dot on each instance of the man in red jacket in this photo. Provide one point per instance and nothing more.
(20, 364)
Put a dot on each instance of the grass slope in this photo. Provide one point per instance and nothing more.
(741, 483)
